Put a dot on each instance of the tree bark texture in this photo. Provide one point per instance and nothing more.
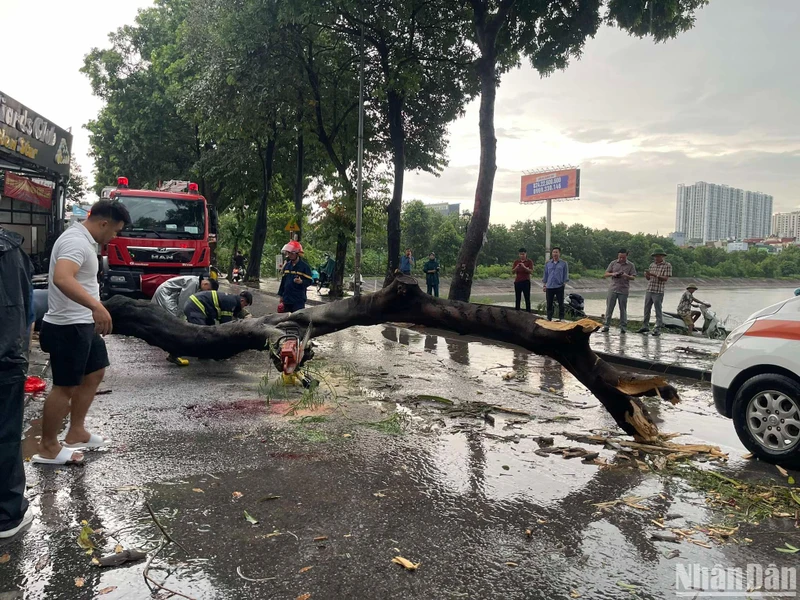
(403, 301)
(267, 156)
(299, 178)
(461, 284)
(398, 141)
(338, 284)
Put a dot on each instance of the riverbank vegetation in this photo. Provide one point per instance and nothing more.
(588, 251)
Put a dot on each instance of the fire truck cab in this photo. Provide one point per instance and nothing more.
(168, 236)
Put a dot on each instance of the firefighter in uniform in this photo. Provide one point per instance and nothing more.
(295, 280)
(208, 308)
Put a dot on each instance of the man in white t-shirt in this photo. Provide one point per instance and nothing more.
(71, 331)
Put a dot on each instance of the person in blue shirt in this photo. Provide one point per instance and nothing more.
(295, 280)
(556, 275)
(407, 262)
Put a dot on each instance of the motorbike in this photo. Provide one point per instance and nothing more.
(351, 285)
(574, 307)
(712, 327)
(236, 276)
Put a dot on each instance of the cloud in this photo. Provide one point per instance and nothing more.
(716, 104)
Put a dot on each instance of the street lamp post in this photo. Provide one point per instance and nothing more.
(360, 192)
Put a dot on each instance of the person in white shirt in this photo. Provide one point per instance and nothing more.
(71, 333)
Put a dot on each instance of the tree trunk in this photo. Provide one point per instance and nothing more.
(338, 283)
(232, 264)
(299, 178)
(260, 233)
(461, 284)
(403, 301)
(398, 140)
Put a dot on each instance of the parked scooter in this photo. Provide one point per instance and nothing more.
(574, 308)
(236, 276)
(351, 285)
(712, 327)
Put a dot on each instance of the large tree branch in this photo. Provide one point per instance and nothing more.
(404, 301)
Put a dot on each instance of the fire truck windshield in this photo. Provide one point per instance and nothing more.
(164, 217)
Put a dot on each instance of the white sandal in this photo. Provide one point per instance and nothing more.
(64, 458)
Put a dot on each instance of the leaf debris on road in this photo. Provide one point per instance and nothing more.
(405, 563)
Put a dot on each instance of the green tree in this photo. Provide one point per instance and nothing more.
(138, 132)
(417, 68)
(548, 33)
(77, 187)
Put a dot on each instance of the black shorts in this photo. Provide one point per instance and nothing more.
(75, 351)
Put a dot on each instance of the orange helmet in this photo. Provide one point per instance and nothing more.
(293, 247)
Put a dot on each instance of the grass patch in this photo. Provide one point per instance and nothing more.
(393, 425)
(740, 501)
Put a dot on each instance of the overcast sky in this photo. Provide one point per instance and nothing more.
(720, 104)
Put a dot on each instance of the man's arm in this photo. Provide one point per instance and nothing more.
(64, 279)
(609, 272)
(666, 275)
(309, 279)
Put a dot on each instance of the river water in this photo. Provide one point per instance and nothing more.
(735, 305)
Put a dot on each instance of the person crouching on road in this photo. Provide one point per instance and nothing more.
(296, 277)
(174, 293)
(431, 268)
(210, 308)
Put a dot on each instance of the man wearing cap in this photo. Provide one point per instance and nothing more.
(685, 305)
(657, 275)
(431, 269)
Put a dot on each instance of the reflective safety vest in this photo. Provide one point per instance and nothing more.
(217, 311)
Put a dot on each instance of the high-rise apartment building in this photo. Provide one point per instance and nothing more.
(711, 212)
(786, 225)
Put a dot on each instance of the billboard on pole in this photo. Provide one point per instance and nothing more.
(550, 185)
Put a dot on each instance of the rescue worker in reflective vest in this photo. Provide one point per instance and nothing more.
(174, 293)
(296, 279)
(208, 308)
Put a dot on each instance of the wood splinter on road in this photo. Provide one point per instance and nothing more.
(404, 301)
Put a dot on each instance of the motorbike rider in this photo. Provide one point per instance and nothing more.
(206, 308)
(296, 277)
(173, 294)
(685, 305)
(238, 263)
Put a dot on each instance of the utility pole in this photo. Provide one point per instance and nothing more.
(548, 224)
(360, 193)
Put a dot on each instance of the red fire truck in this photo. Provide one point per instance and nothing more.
(168, 236)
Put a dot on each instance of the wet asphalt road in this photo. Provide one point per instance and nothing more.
(201, 445)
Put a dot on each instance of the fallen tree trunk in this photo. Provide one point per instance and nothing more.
(403, 301)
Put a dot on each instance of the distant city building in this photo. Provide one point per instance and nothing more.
(737, 247)
(786, 224)
(711, 212)
(446, 208)
(679, 238)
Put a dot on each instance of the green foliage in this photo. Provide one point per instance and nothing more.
(77, 188)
